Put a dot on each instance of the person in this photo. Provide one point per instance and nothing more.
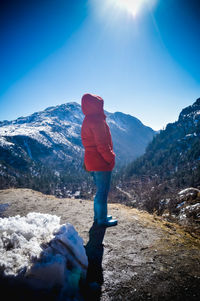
(99, 157)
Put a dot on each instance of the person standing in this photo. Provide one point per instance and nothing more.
(99, 157)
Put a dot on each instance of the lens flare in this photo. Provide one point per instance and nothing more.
(132, 6)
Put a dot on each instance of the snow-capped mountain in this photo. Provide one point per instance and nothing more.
(48, 144)
(54, 132)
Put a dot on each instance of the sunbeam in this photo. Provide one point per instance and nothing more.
(133, 7)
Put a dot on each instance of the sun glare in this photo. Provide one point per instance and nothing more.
(132, 6)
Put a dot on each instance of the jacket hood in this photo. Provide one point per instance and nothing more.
(92, 105)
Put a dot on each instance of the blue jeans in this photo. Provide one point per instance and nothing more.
(102, 182)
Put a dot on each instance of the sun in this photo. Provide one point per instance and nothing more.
(132, 6)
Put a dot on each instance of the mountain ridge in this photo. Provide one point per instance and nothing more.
(182, 134)
(166, 179)
(48, 144)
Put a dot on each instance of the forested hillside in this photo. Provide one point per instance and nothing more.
(170, 164)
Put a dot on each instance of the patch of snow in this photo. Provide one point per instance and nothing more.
(182, 216)
(26, 130)
(164, 202)
(112, 122)
(57, 174)
(188, 190)
(21, 238)
(4, 142)
(77, 193)
(166, 214)
(194, 207)
(50, 253)
(191, 135)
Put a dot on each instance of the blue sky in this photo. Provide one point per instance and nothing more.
(145, 65)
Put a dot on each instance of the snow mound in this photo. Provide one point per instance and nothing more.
(43, 251)
(21, 239)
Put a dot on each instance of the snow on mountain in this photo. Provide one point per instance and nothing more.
(61, 125)
(50, 141)
(48, 127)
(129, 135)
(191, 112)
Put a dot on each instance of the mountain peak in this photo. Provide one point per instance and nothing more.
(64, 105)
(197, 102)
(190, 110)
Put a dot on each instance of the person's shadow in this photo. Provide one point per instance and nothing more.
(94, 251)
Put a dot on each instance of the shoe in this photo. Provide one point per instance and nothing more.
(108, 223)
(109, 217)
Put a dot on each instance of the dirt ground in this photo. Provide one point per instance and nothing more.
(144, 257)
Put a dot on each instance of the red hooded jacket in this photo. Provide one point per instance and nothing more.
(95, 135)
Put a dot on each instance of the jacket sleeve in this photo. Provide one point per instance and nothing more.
(103, 141)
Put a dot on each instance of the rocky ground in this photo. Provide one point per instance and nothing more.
(144, 257)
